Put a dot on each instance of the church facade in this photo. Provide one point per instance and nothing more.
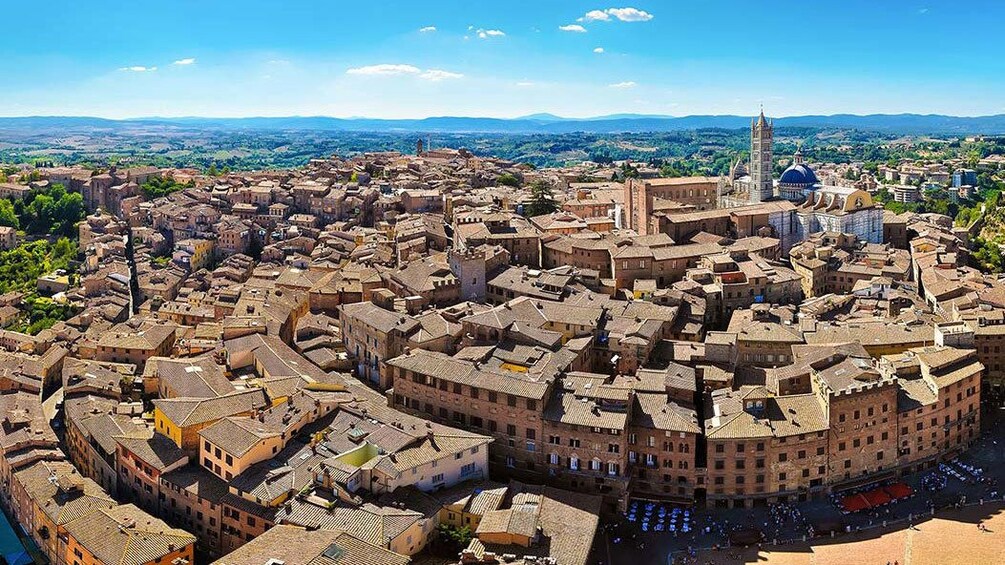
(818, 207)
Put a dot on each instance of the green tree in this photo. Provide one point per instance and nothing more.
(542, 201)
(8, 217)
(458, 537)
(988, 255)
(43, 313)
(155, 187)
(50, 211)
(508, 179)
(21, 266)
(629, 171)
(670, 171)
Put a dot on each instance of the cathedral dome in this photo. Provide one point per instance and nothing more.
(798, 174)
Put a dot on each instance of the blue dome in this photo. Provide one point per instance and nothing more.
(798, 174)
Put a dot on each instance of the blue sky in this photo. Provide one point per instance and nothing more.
(500, 58)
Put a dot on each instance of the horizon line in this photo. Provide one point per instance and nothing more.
(530, 117)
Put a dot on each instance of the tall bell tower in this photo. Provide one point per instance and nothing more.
(761, 137)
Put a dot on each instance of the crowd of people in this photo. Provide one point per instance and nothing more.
(934, 482)
(782, 516)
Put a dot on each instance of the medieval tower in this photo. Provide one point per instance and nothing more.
(761, 137)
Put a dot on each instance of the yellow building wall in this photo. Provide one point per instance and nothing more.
(357, 457)
(164, 426)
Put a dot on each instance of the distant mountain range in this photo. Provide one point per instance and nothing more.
(535, 123)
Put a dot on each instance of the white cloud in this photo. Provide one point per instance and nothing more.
(432, 75)
(630, 14)
(384, 69)
(437, 75)
(185, 62)
(427, 29)
(487, 33)
(139, 69)
(573, 27)
(525, 83)
(598, 50)
(625, 84)
(595, 16)
(622, 14)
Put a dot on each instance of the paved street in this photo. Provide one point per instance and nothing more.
(49, 404)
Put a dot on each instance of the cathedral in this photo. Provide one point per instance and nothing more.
(818, 207)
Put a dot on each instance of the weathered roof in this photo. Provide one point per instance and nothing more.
(185, 412)
(294, 545)
(125, 535)
(152, 448)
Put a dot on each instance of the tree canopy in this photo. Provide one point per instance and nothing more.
(542, 201)
(508, 179)
(21, 266)
(47, 211)
(155, 187)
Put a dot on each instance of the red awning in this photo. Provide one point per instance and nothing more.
(877, 497)
(899, 490)
(854, 503)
